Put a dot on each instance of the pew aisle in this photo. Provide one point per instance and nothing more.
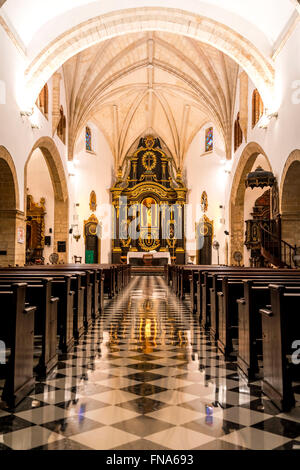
(146, 376)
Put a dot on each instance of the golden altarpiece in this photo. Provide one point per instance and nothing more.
(148, 203)
(35, 230)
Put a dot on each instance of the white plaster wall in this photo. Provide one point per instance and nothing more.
(282, 135)
(93, 172)
(206, 172)
(278, 141)
(16, 133)
(39, 185)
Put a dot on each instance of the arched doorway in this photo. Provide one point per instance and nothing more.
(12, 231)
(92, 240)
(242, 202)
(51, 168)
(204, 241)
(290, 200)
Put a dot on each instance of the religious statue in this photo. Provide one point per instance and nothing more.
(148, 206)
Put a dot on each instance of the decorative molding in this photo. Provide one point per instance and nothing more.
(286, 34)
(13, 36)
(244, 103)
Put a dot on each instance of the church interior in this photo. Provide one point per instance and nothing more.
(150, 225)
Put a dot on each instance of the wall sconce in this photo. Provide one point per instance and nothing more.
(27, 113)
(266, 119)
(272, 115)
(76, 233)
(216, 246)
(227, 164)
(71, 168)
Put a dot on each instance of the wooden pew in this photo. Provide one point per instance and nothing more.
(61, 288)
(207, 280)
(39, 293)
(281, 328)
(231, 290)
(92, 284)
(256, 296)
(109, 281)
(77, 279)
(213, 284)
(115, 277)
(17, 329)
(187, 278)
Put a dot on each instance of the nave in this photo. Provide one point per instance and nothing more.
(146, 376)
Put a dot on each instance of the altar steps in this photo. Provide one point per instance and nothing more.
(148, 270)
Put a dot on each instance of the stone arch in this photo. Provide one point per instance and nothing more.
(60, 189)
(11, 218)
(13, 179)
(259, 68)
(290, 199)
(236, 209)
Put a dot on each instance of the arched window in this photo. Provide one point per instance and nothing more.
(62, 125)
(42, 101)
(209, 139)
(257, 107)
(88, 139)
(238, 133)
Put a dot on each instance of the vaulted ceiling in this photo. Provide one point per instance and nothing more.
(150, 82)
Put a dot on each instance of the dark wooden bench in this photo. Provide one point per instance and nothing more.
(92, 284)
(77, 281)
(231, 290)
(16, 332)
(212, 284)
(256, 296)
(206, 278)
(281, 329)
(61, 288)
(39, 294)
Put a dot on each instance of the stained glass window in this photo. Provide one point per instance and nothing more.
(209, 139)
(238, 133)
(42, 101)
(257, 108)
(62, 126)
(88, 139)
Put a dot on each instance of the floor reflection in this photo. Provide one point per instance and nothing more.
(146, 376)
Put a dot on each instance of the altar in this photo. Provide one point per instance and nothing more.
(148, 198)
(159, 258)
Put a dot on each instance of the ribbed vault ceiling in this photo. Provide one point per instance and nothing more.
(160, 82)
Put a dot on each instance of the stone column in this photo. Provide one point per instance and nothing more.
(61, 228)
(12, 252)
(116, 249)
(180, 252)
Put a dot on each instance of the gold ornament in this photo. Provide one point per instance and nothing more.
(93, 201)
(204, 202)
(149, 160)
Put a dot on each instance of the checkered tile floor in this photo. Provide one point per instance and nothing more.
(146, 376)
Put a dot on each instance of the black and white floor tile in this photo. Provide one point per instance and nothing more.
(146, 376)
